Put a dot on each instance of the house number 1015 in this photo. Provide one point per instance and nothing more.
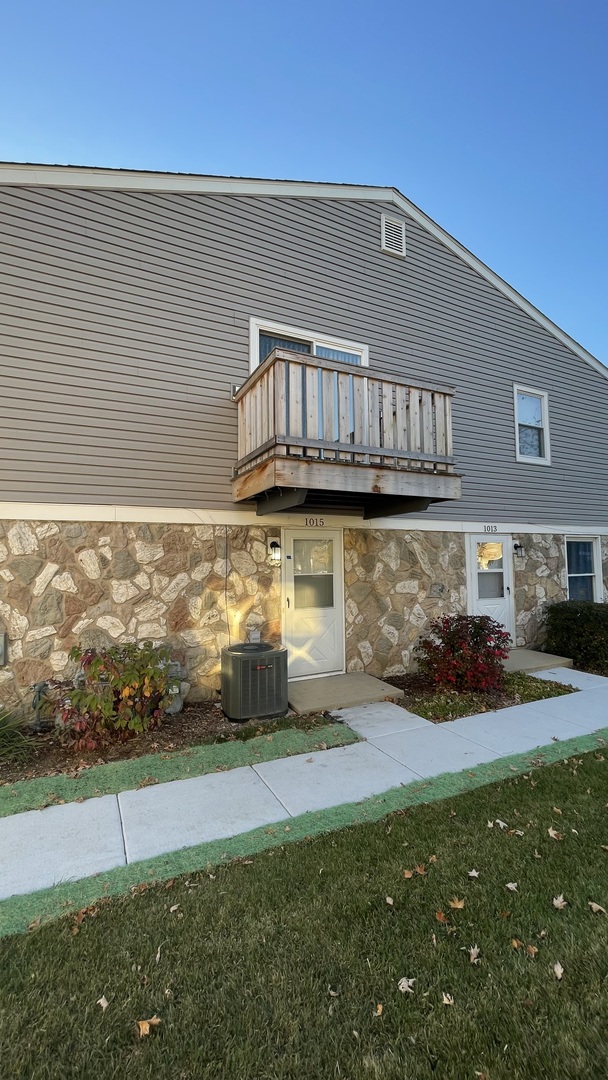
(314, 521)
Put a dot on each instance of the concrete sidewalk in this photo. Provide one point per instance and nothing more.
(41, 848)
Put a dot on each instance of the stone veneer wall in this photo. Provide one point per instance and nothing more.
(395, 583)
(540, 579)
(193, 586)
(94, 583)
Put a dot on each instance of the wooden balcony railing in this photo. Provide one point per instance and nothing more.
(309, 409)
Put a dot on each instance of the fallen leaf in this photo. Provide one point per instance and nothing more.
(473, 951)
(604, 847)
(597, 909)
(490, 824)
(173, 908)
(332, 993)
(473, 873)
(145, 1025)
(406, 986)
(575, 831)
(542, 934)
(440, 917)
(432, 858)
(536, 854)
(420, 869)
(504, 914)
(556, 810)
(501, 824)
(516, 943)
(554, 834)
(456, 903)
(447, 999)
(378, 1011)
(434, 940)
(559, 902)
(408, 874)
(103, 1001)
(531, 950)
(481, 1076)
(309, 760)
(158, 953)
(390, 901)
(558, 971)
(511, 886)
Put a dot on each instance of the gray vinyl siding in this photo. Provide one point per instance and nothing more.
(124, 322)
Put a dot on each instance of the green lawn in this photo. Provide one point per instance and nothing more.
(441, 704)
(275, 968)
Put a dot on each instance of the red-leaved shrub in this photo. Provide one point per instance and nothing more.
(465, 652)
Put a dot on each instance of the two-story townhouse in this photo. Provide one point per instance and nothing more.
(298, 408)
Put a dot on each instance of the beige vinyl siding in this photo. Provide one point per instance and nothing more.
(124, 322)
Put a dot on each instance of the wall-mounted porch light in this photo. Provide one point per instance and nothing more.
(274, 550)
(518, 551)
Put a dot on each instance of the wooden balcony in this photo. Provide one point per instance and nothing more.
(322, 434)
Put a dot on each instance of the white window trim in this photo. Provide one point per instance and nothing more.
(394, 221)
(280, 330)
(543, 395)
(598, 577)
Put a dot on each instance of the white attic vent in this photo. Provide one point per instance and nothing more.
(393, 236)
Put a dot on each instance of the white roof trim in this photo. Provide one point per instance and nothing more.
(70, 176)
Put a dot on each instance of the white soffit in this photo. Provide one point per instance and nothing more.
(85, 177)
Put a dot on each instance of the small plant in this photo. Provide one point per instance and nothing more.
(15, 745)
(465, 652)
(120, 692)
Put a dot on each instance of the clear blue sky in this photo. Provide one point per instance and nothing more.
(492, 116)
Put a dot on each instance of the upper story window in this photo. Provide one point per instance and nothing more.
(584, 566)
(532, 425)
(265, 336)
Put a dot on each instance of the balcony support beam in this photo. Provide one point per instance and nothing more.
(282, 499)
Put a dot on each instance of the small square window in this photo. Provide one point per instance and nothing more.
(531, 426)
(582, 562)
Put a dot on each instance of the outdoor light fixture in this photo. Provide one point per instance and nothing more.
(518, 551)
(274, 550)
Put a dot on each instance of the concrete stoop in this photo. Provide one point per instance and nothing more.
(332, 692)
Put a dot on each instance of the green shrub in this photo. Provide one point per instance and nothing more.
(578, 629)
(15, 745)
(465, 652)
(120, 692)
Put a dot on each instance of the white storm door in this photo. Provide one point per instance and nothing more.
(490, 559)
(313, 586)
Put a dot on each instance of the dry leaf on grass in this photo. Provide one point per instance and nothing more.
(447, 999)
(511, 886)
(473, 873)
(378, 1011)
(158, 953)
(531, 950)
(559, 902)
(554, 834)
(432, 858)
(456, 903)
(173, 909)
(390, 901)
(144, 1026)
(536, 854)
(103, 1001)
(440, 917)
(558, 971)
(420, 869)
(501, 824)
(597, 909)
(408, 874)
(556, 810)
(332, 993)
(516, 943)
(406, 986)
(473, 951)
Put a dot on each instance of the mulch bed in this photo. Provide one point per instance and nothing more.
(196, 724)
(414, 685)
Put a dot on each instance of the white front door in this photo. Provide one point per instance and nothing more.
(490, 574)
(313, 594)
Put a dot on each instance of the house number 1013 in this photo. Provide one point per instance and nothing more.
(314, 521)
(490, 528)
